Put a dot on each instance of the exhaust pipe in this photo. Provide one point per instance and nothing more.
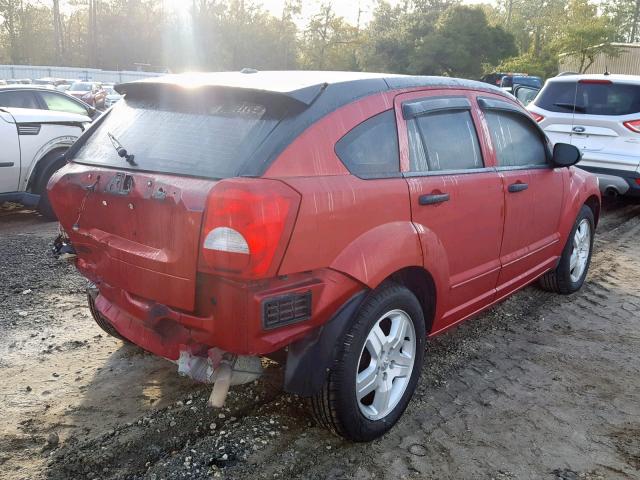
(220, 368)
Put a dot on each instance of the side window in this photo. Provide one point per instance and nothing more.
(516, 140)
(371, 148)
(17, 99)
(444, 140)
(60, 103)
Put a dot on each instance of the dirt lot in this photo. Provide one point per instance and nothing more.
(540, 387)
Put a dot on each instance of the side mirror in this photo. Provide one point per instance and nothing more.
(565, 155)
(525, 94)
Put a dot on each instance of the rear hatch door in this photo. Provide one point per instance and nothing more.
(136, 224)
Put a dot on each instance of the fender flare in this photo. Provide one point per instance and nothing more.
(378, 253)
(310, 358)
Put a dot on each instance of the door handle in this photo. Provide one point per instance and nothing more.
(433, 198)
(518, 187)
(6, 164)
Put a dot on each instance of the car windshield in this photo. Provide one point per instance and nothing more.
(590, 98)
(111, 91)
(80, 87)
(200, 137)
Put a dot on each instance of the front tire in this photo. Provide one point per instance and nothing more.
(572, 268)
(54, 162)
(377, 367)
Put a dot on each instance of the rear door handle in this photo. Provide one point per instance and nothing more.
(6, 164)
(518, 187)
(433, 198)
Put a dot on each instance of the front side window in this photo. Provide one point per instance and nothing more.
(371, 148)
(60, 103)
(17, 99)
(445, 140)
(517, 142)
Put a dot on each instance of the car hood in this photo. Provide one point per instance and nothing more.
(114, 97)
(29, 115)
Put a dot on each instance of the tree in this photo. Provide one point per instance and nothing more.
(462, 42)
(329, 42)
(586, 35)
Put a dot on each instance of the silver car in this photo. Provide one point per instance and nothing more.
(599, 114)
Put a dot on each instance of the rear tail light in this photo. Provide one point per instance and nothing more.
(633, 125)
(638, 181)
(247, 226)
(537, 117)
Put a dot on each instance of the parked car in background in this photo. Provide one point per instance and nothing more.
(600, 114)
(331, 219)
(112, 96)
(33, 143)
(52, 81)
(18, 81)
(89, 92)
(509, 82)
(39, 97)
(495, 78)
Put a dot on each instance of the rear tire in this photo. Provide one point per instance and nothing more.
(381, 357)
(573, 266)
(102, 322)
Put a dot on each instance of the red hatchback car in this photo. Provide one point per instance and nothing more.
(331, 220)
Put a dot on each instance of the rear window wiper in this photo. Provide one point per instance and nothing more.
(571, 106)
(122, 152)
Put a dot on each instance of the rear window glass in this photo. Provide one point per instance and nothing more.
(202, 137)
(371, 148)
(590, 98)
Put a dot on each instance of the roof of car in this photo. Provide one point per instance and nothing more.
(304, 86)
(30, 86)
(613, 77)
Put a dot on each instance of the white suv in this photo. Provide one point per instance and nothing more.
(32, 146)
(599, 114)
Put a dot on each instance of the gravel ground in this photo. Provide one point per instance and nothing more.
(540, 387)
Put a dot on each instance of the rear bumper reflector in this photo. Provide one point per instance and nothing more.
(287, 309)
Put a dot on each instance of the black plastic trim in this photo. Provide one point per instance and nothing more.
(6, 164)
(310, 358)
(416, 108)
(613, 172)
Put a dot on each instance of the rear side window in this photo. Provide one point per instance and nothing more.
(515, 139)
(590, 98)
(18, 99)
(371, 148)
(444, 141)
(205, 136)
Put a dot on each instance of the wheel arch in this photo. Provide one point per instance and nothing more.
(43, 165)
(593, 202)
(421, 283)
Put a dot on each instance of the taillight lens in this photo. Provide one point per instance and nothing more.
(247, 224)
(537, 117)
(633, 125)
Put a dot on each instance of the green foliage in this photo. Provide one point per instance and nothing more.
(461, 43)
(439, 37)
